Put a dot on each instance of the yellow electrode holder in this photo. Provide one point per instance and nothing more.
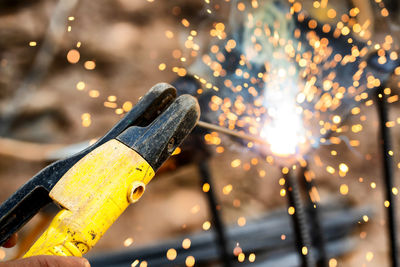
(94, 193)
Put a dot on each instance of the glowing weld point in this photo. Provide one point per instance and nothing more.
(285, 132)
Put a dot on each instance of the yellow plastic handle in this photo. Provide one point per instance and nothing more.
(93, 193)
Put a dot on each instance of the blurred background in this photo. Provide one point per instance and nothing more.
(306, 76)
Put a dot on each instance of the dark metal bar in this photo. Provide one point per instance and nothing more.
(393, 6)
(313, 210)
(262, 236)
(388, 174)
(299, 219)
(40, 66)
(219, 227)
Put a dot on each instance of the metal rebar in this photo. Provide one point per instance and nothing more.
(313, 210)
(299, 219)
(388, 174)
(261, 235)
(41, 64)
(219, 227)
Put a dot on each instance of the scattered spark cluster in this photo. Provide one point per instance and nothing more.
(301, 84)
(293, 86)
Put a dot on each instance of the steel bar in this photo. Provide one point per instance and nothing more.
(42, 63)
(286, 257)
(313, 210)
(205, 173)
(261, 236)
(289, 258)
(388, 174)
(300, 222)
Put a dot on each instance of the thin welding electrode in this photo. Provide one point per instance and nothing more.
(224, 130)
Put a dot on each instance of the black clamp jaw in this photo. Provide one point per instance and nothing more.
(154, 128)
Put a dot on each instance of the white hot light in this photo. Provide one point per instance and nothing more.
(284, 129)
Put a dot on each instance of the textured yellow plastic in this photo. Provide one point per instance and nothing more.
(93, 193)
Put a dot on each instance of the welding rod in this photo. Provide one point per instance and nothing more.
(68, 150)
(227, 131)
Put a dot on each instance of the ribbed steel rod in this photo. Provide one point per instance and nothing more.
(388, 174)
(313, 210)
(299, 219)
(217, 223)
